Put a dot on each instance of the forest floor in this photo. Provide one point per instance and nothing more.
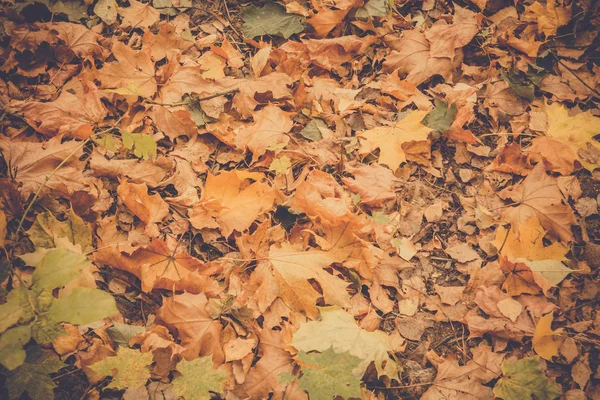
(300, 200)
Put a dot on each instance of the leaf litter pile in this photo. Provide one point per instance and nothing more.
(300, 200)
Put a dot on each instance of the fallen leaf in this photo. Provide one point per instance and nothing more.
(151, 209)
(271, 19)
(138, 15)
(188, 314)
(271, 124)
(133, 69)
(72, 115)
(226, 206)
(411, 55)
(543, 339)
(373, 183)
(338, 330)
(406, 139)
(539, 195)
(510, 308)
(198, 378)
(576, 131)
(292, 268)
(524, 379)
(129, 368)
(549, 18)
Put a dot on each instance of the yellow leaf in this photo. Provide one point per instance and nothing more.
(528, 243)
(224, 205)
(574, 131)
(543, 338)
(292, 268)
(407, 138)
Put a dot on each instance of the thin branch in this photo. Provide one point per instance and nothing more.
(200, 99)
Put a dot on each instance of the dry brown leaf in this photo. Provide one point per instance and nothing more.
(373, 183)
(138, 15)
(268, 131)
(539, 195)
(412, 56)
(134, 71)
(72, 115)
(446, 38)
(151, 209)
(189, 315)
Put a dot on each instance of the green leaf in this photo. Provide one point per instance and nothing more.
(45, 330)
(17, 308)
(123, 333)
(270, 20)
(107, 141)
(523, 379)
(12, 341)
(57, 268)
(198, 378)
(143, 146)
(380, 218)
(83, 306)
(312, 130)
(33, 376)
(46, 229)
(280, 165)
(441, 117)
(374, 8)
(339, 330)
(129, 368)
(329, 374)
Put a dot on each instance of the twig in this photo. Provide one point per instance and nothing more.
(200, 99)
(575, 75)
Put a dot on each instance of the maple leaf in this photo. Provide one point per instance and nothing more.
(412, 56)
(446, 38)
(47, 230)
(33, 376)
(138, 15)
(166, 43)
(557, 156)
(198, 378)
(268, 131)
(549, 18)
(159, 265)
(292, 268)
(274, 84)
(576, 132)
(189, 315)
(373, 183)
(329, 374)
(525, 379)
(511, 160)
(338, 330)
(326, 19)
(464, 382)
(528, 243)
(137, 171)
(224, 205)
(31, 163)
(543, 338)
(151, 209)
(407, 138)
(520, 278)
(82, 41)
(539, 195)
(275, 361)
(133, 69)
(71, 115)
(128, 369)
(271, 19)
